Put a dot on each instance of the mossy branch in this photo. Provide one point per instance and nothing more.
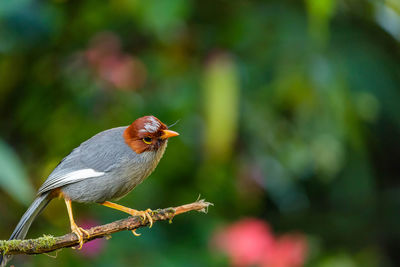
(47, 243)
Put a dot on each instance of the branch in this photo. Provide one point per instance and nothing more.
(47, 244)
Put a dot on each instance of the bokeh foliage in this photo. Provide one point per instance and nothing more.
(288, 112)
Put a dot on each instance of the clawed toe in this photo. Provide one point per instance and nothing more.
(145, 215)
(85, 232)
(78, 231)
(134, 233)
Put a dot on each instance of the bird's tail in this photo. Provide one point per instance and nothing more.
(25, 222)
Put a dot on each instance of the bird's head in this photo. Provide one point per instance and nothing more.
(147, 134)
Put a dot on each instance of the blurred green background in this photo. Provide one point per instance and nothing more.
(289, 115)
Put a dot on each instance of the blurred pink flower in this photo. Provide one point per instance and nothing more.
(119, 69)
(250, 242)
(290, 250)
(95, 247)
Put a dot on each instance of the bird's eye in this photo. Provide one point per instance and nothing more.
(147, 140)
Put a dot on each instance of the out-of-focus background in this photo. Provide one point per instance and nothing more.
(288, 112)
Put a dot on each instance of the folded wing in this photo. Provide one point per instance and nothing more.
(93, 158)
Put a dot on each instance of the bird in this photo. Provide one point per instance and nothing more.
(103, 168)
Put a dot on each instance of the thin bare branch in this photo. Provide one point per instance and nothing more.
(47, 244)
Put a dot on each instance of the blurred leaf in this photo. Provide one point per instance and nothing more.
(163, 17)
(13, 177)
(221, 88)
(341, 260)
(320, 12)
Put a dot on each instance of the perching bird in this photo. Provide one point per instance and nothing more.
(105, 167)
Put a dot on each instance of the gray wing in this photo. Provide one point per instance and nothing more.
(93, 158)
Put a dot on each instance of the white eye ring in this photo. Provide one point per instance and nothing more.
(147, 140)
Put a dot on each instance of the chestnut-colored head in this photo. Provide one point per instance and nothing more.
(147, 134)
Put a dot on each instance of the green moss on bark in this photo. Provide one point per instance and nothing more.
(45, 241)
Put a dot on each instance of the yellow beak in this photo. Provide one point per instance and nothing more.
(168, 134)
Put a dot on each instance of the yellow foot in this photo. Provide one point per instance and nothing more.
(78, 231)
(144, 214)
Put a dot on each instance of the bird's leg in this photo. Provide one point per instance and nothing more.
(144, 214)
(78, 231)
